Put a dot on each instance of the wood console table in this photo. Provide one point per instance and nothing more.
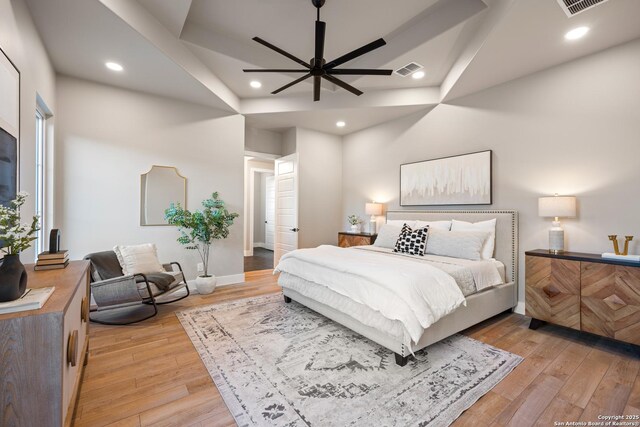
(584, 292)
(42, 352)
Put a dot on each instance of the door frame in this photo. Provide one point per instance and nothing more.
(273, 178)
(251, 206)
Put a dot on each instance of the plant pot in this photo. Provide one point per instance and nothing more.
(13, 278)
(355, 228)
(205, 285)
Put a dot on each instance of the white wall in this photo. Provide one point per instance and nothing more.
(289, 142)
(263, 141)
(20, 41)
(319, 188)
(572, 129)
(106, 137)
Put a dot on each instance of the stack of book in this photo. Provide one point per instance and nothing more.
(52, 260)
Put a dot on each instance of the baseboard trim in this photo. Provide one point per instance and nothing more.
(259, 245)
(232, 279)
(519, 308)
(248, 253)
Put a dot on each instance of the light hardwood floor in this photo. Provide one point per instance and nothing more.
(150, 374)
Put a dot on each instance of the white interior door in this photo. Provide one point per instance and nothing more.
(270, 213)
(286, 218)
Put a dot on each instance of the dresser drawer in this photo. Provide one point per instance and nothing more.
(75, 334)
(611, 301)
(553, 290)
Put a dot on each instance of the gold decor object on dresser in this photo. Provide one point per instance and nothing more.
(347, 239)
(584, 292)
(43, 351)
(616, 248)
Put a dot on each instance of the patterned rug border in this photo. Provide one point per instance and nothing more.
(235, 407)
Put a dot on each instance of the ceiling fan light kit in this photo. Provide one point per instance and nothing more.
(318, 67)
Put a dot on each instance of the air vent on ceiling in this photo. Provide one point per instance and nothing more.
(573, 7)
(410, 68)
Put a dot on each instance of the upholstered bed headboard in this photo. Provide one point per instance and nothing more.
(506, 249)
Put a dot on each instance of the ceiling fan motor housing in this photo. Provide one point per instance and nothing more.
(318, 3)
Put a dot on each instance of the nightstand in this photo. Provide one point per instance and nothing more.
(584, 292)
(347, 239)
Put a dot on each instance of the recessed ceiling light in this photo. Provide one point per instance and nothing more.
(576, 33)
(341, 124)
(114, 66)
(417, 75)
(255, 84)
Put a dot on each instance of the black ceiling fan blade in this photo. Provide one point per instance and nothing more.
(288, 85)
(320, 33)
(343, 85)
(316, 88)
(275, 71)
(357, 71)
(355, 53)
(281, 52)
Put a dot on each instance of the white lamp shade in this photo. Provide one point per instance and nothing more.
(373, 209)
(557, 206)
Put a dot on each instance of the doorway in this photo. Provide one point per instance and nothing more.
(260, 218)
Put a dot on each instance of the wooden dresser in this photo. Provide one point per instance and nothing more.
(42, 352)
(584, 292)
(347, 239)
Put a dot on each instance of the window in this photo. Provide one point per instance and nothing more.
(41, 131)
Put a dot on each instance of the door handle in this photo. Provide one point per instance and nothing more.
(295, 230)
(266, 222)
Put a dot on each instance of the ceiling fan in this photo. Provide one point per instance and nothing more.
(318, 68)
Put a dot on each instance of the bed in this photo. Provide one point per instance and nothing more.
(392, 334)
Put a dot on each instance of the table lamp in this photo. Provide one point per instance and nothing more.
(557, 207)
(374, 209)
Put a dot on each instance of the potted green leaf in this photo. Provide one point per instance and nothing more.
(199, 229)
(355, 222)
(14, 238)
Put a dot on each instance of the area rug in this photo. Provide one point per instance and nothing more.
(279, 364)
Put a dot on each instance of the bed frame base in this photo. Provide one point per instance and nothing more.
(401, 360)
(480, 306)
(286, 299)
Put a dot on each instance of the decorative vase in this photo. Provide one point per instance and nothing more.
(355, 228)
(205, 285)
(13, 278)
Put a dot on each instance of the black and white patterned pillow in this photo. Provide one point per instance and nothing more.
(412, 242)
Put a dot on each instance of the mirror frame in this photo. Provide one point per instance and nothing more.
(143, 199)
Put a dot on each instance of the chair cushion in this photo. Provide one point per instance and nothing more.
(104, 266)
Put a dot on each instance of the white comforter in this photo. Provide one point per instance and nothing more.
(415, 294)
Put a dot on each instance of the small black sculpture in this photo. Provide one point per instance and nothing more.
(54, 241)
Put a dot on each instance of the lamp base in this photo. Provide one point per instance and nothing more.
(556, 240)
(373, 223)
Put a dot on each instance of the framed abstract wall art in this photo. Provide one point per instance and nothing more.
(456, 180)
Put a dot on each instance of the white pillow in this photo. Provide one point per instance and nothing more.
(401, 222)
(138, 259)
(388, 236)
(489, 226)
(442, 225)
(456, 244)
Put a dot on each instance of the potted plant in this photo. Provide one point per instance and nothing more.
(14, 238)
(199, 229)
(355, 222)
